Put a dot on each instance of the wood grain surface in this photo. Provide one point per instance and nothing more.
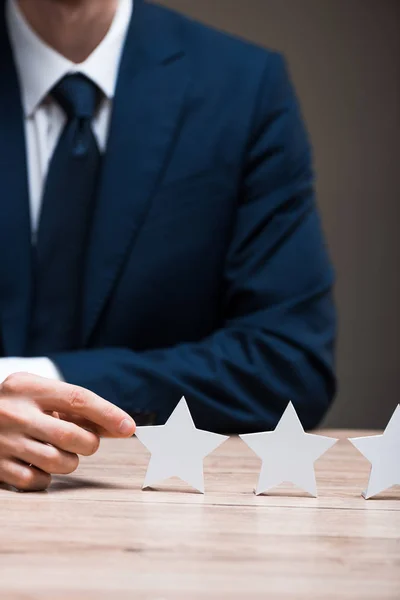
(96, 535)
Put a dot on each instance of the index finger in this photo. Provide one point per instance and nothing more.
(67, 398)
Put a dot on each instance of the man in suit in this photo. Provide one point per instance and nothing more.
(159, 234)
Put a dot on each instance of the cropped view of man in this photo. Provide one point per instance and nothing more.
(159, 233)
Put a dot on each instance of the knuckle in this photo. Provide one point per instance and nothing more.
(5, 411)
(25, 479)
(110, 411)
(12, 415)
(65, 436)
(29, 480)
(23, 446)
(11, 384)
(77, 399)
(52, 459)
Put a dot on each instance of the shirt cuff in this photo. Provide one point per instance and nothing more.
(42, 366)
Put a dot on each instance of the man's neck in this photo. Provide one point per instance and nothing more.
(72, 27)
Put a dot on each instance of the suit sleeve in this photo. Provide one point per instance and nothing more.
(277, 341)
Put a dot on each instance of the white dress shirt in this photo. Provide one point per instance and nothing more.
(39, 68)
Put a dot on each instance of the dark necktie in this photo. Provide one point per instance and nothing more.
(68, 202)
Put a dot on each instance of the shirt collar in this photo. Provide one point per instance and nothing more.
(40, 67)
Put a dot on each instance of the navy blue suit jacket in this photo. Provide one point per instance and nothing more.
(207, 272)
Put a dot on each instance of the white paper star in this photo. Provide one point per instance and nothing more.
(288, 453)
(383, 452)
(178, 448)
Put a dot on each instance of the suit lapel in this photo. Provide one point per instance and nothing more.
(147, 107)
(15, 232)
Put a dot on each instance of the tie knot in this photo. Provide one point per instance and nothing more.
(77, 95)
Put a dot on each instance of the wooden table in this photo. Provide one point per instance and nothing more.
(96, 535)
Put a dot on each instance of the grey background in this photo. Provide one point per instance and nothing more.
(344, 57)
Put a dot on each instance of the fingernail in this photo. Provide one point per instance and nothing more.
(126, 427)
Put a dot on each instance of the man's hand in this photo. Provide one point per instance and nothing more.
(47, 424)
